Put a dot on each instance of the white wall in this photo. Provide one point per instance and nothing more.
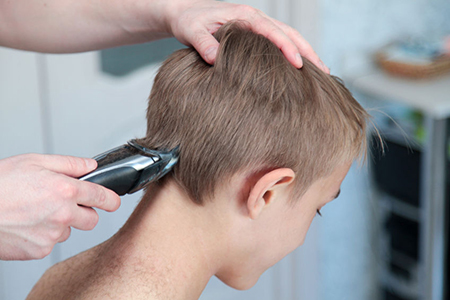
(351, 30)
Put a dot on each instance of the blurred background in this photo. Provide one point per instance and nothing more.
(385, 238)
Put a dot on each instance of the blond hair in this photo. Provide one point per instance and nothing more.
(251, 111)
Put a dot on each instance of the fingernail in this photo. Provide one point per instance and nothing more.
(90, 163)
(299, 59)
(211, 53)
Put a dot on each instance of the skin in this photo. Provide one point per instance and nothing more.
(171, 247)
(63, 26)
(66, 26)
(42, 211)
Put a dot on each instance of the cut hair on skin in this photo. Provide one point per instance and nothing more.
(250, 112)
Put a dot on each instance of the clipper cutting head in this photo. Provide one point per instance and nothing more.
(130, 167)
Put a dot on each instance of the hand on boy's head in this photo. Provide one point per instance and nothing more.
(196, 22)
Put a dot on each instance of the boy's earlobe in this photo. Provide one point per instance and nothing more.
(266, 190)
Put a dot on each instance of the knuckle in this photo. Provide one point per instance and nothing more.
(108, 201)
(273, 31)
(73, 164)
(66, 235)
(67, 190)
(297, 34)
(63, 218)
(54, 235)
(248, 10)
(201, 39)
(307, 47)
(42, 252)
(31, 156)
(116, 203)
(39, 247)
(69, 232)
(93, 221)
(46, 251)
(24, 160)
(99, 197)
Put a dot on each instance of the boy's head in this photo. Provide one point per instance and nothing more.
(252, 111)
(261, 131)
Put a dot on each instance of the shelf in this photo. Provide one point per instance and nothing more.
(400, 208)
(431, 96)
(398, 286)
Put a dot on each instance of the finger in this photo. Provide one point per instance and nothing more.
(303, 46)
(85, 218)
(205, 44)
(93, 195)
(65, 235)
(68, 165)
(274, 33)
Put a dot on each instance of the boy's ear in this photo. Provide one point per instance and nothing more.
(264, 191)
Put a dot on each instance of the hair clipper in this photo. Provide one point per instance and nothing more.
(130, 167)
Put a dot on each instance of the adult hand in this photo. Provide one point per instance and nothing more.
(40, 201)
(194, 22)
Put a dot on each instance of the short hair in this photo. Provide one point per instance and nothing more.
(251, 111)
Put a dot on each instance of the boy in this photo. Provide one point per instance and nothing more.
(263, 146)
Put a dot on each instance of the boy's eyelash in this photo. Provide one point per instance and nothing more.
(318, 212)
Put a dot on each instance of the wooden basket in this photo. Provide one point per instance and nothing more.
(437, 67)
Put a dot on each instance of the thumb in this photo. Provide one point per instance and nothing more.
(68, 165)
(206, 45)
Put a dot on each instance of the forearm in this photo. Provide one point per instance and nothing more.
(59, 26)
(62, 26)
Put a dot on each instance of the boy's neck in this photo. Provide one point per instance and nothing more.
(169, 245)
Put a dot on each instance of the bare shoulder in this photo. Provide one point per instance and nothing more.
(94, 275)
(66, 279)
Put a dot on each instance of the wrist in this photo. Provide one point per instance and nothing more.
(142, 19)
(172, 11)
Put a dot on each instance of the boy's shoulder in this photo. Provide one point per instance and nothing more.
(92, 275)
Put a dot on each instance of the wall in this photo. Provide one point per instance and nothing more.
(351, 30)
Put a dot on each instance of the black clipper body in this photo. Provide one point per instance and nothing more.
(130, 167)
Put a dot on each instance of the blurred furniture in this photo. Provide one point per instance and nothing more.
(414, 58)
(413, 184)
